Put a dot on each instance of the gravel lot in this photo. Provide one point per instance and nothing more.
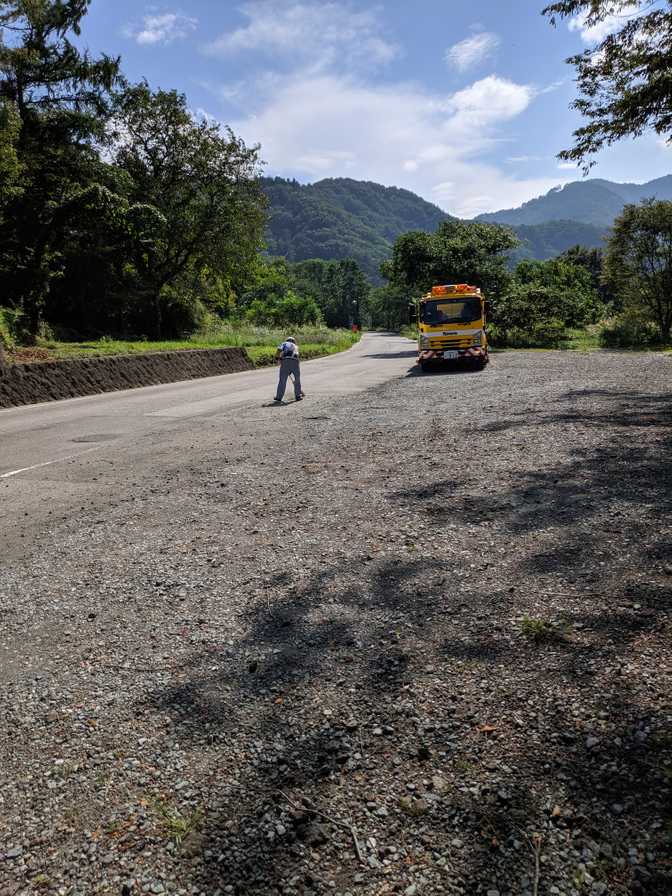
(433, 622)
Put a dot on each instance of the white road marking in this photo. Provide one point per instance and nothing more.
(48, 463)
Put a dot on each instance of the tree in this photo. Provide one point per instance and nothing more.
(389, 307)
(459, 251)
(273, 300)
(288, 310)
(340, 288)
(624, 81)
(60, 97)
(543, 299)
(592, 260)
(10, 166)
(348, 296)
(574, 299)
(204, 182)
(638, 263)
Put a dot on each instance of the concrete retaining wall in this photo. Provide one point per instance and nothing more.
(53, 380)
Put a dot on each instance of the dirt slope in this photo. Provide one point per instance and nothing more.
(51, 380)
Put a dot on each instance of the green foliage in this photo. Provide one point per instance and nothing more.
(203, 184)
(629, 330)
(551, 238)
(176, 825)
(338, 219)
(260, 342)
(624, 81)
(638, 264)
(462, 252)
(578, 212)
(119, 213)
(592, 260)
(10, 166)
(287, 310)
(10, 327)
(544, 300)
(540, 631)
(60, 97)
(390, 308)
(340, 288)
(572, 295)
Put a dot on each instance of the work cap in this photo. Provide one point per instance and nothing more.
(290, 339)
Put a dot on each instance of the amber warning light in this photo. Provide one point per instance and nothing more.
(452, 288)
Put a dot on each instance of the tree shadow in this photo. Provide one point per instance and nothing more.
(413, 703)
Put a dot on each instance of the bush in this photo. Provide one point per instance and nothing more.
(629, 331)
(182, 313)
(288, 310)
(541, 334)
(10, 327)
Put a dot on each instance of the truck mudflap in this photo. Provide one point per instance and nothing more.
(464, 354)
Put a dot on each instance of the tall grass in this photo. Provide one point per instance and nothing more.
(244, 334)
(260, 341)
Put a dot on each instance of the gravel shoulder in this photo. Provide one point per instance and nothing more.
(413, 641)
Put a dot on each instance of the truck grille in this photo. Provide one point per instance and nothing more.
(446, 342)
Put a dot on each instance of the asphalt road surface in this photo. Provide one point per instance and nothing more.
(59, 456)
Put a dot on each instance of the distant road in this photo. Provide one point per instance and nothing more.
(59, 453)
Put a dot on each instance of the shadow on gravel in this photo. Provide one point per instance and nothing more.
(400, 699)
(443, 370)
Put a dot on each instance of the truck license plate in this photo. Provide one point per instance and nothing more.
(451, 356)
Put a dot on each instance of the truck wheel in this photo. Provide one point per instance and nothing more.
(424, 366)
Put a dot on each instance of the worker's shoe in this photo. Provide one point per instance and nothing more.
(299, 398)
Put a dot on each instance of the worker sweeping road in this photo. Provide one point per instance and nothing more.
(287, 356)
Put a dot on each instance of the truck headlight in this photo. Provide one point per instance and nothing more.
(478, 338)
(424, 341)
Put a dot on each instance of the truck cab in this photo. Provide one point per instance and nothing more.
(451, 326)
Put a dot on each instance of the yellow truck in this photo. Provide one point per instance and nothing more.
(451, 326)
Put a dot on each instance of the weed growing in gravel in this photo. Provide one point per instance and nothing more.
(536, 629)
(540, 631)
(175, 825)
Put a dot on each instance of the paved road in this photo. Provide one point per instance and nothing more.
(56, 455)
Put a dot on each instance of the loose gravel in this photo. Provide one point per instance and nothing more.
(414, 642)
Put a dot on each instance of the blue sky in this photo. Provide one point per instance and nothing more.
(465, 103)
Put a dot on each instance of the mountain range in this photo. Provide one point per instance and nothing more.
(596, 202)
(343, 218)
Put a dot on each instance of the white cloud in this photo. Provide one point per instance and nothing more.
(161, 28)
(317, 31)
(472, 50)
(567, 166)
(596, 33)
(316, 124)
(520, 160)
(488, 101)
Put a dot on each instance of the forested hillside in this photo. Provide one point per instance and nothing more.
(594, 201)
(343, 218)
(542, 241)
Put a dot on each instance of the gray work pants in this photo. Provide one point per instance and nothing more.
(287, 366)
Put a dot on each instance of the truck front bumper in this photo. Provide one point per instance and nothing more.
(476, 353)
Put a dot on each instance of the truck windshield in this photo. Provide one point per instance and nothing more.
(451, 311)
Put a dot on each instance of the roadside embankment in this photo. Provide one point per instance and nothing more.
(52, 380)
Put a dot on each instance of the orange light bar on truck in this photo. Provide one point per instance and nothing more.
(454, 289)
